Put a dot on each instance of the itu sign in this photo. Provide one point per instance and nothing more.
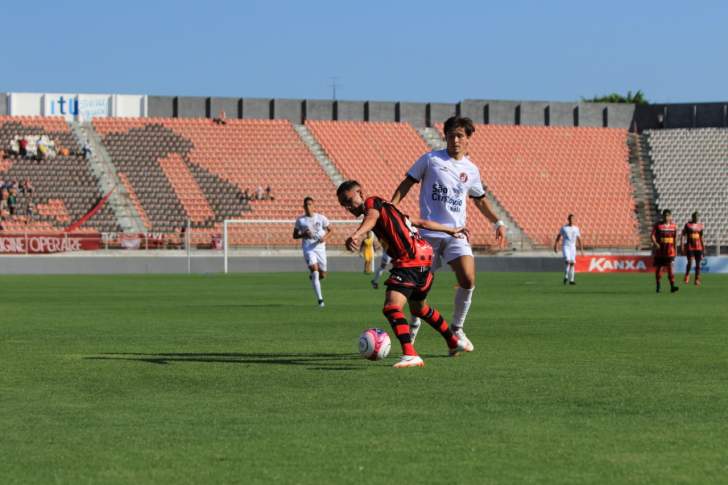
(77, 106)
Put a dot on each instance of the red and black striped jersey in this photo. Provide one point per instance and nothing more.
(694, 232)
(398, 237)
(665, 235)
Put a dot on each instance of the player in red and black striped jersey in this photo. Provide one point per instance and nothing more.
(694, 246)
(664, 239)
(410, 278)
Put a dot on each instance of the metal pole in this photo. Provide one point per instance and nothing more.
(225, 244)
(189, 249)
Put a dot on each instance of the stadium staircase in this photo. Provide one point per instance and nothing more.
(432, 138)
(65, 189)
(643, 186)
(318, 152)
(108, 180)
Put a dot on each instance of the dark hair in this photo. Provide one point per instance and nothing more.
(666, 212)
(455, 122)
(307, 199)
(570, 216)
(346, 186)
(695, 215)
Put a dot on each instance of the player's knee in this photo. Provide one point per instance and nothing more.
(322, 275)
(389, 310)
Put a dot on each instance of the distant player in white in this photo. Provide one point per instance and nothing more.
(447, 178)
(569, 235)
(313, 229)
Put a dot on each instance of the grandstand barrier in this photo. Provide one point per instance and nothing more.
(48, 243)
(608, 263)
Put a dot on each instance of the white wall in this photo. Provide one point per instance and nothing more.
(76, 106)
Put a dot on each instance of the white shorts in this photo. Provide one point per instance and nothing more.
(446, 247)
(317, 256)
(569, 254)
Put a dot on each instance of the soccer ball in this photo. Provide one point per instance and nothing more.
(374, 344)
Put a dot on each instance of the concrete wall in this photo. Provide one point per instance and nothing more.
(232, 107)
(533, 113)
(288, 109)
(380, 111)
(160, 106)
(4, 108)
(412, 113)
(318, 109)
(257, 108)
(349, 110)
(592, 114)
(528, 113)
(132, 264)
(191, 107)
(439, 112)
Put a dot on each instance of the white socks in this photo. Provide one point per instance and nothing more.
(571, 272)
(566, 271)
(316, 284)
(378, 274)
(463, 297)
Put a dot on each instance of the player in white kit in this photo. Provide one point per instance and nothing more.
(313, 229)
(383, 262)
(569, 235)
(447, 178)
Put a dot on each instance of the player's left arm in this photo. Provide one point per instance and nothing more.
(370, 220)
(581, 246)
(485, 208)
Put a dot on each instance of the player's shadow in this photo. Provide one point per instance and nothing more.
(312, 360)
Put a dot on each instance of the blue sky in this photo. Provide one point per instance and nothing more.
(378, 50)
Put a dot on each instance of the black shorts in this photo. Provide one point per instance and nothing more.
(663, 261)
(414, 283)
(698, 255)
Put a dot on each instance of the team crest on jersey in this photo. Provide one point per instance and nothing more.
(463, 177)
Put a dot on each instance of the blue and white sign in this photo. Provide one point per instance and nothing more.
(77, 106)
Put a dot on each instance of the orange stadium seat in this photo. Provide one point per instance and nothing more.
(541, 174)
(177, 169)
(64, 189)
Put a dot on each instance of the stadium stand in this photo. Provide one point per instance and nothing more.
(198, 169)
(690, 169)
(64, 187)
(541, 174)
(378, 155)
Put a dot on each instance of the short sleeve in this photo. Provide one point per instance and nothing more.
(476, 189)
(324, 221)
(417, 171)
(297, 225)
(373, 203)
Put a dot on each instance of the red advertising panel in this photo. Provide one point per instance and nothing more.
(48, 243)
(597, 263)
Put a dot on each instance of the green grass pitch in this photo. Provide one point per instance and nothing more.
(242, 379)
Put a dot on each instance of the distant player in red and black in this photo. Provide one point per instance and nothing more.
(664, 239)
(410, 278)
(694, 246)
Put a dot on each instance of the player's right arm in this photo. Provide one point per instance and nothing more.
(436, 226)
(370, 220)
(403, 189)
(556, 242)
(297, 234)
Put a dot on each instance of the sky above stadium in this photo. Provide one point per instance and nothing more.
(379, 50)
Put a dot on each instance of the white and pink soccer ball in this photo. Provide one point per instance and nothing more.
(374, 344)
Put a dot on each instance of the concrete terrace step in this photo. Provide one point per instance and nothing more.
(318, 152)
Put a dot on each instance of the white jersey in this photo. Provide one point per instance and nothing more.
(316, 225)
(445, 185)
(568, 236)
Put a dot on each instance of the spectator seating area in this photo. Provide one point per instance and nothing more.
(541, 174)
(176, 168)
(690, 169)
(64, 189)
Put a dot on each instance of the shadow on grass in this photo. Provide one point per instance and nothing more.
(315, 361)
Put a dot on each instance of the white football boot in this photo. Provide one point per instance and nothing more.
(464, 344)
(409, 361)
